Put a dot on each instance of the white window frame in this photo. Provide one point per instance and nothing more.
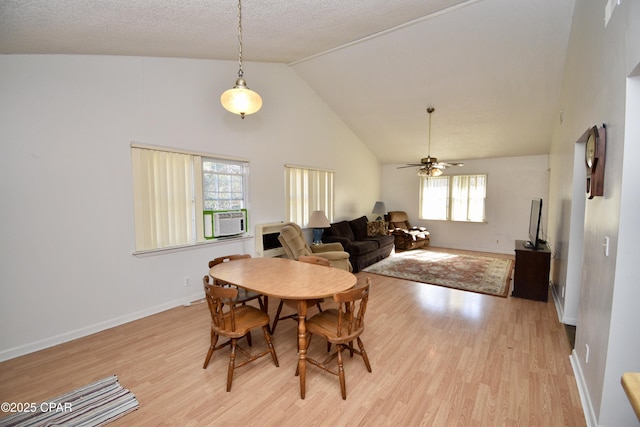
(169, 196)
(308, 189)
(458, 198)
(225, 198)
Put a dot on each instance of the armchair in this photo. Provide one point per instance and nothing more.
(295, 246)
(406, 237)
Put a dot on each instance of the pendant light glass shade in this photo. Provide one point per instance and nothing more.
(240, 99)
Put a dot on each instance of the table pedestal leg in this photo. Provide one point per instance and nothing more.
(302, 345)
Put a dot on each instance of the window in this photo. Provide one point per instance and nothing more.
(171, 189)
(453, 198)
(223, 184)
(307, 190)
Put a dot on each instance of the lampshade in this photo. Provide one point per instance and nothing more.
(318, 220)
(379, 208)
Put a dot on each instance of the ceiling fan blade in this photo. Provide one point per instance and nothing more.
(452, 164)
(413, 165)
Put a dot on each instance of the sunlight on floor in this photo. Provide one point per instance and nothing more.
(444, 300)
(435, 257)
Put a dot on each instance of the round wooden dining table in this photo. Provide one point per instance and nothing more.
(287, 279)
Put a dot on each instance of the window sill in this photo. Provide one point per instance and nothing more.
(172, 249)
(455, 221)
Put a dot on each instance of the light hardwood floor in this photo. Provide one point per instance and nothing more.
(440, 357)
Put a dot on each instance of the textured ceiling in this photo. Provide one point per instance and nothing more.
(273, 30)
(491, 68)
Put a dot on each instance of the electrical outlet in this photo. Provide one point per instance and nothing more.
(187, 281)
(586, 356)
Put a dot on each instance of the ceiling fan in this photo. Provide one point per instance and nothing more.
(430, 166)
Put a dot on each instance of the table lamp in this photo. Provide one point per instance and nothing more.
(380, 209)
(318, 221)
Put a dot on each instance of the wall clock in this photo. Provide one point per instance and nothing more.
(594, 154)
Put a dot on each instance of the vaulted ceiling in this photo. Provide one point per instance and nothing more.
(491, 68)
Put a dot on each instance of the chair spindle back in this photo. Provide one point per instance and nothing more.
(352, 308)
(216, 296)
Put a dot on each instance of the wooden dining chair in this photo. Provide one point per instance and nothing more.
(293, 304)
(206, 282)
(233, 322)
(341, 327)
(243, 295)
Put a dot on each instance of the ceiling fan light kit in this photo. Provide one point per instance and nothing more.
(429, 172)
(240, 99)
(429, 166)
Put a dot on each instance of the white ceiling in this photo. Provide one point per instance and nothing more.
(491, 68)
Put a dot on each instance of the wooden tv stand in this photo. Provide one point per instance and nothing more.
(531, 277)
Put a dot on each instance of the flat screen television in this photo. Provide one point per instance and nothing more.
(534, 225)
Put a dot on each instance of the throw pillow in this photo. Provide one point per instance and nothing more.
(376, 228)
(359, 227)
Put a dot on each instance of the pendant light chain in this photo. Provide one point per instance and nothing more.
(240, 71)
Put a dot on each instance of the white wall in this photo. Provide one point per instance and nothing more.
(624, 340)
(66, 124)
(511, 184)
(595, 91)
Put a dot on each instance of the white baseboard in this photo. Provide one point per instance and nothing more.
(587, 407)
(92, 329)
(572, 321)
(558, 304)
(560, 309)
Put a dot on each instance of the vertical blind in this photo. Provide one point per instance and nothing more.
(434, 198)
(467, 196)
(307, 190)
(163, 194)
(455, 198)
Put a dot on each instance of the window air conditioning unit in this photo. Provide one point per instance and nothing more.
(224, 223)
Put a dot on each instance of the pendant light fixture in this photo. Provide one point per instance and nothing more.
(240, 99)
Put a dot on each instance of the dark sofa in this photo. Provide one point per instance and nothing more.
(363, 249)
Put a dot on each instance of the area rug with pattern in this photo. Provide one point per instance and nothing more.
(95, 404)
(469, 272)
